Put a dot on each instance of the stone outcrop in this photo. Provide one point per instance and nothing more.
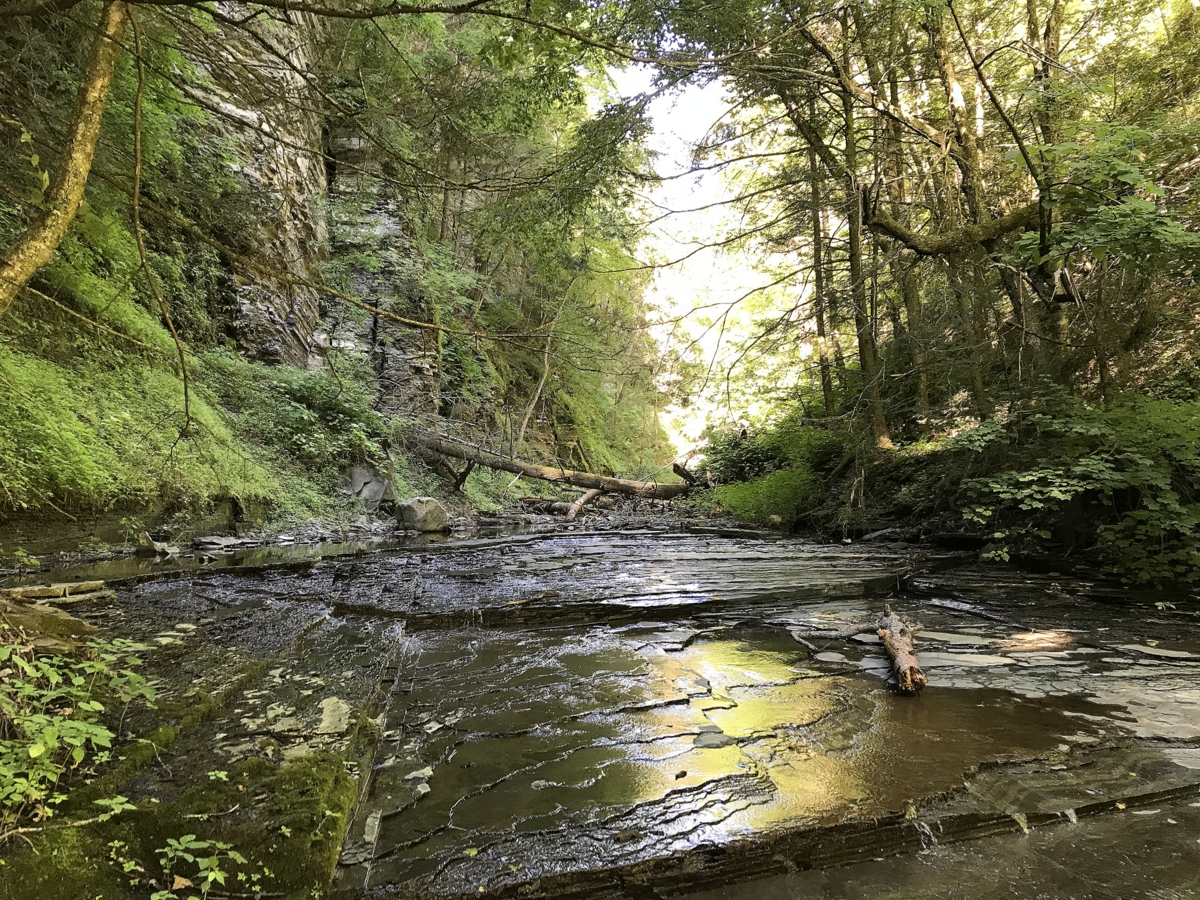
(368, 223)
(366, 485)
(273, 118)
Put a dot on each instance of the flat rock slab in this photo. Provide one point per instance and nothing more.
(612, 714)
(569, 739)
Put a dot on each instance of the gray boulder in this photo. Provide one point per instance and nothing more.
(366, 485)
(424, 514)
(147, 546)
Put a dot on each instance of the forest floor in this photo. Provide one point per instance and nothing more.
(620, 709)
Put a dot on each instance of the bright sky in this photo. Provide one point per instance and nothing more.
(708, 277)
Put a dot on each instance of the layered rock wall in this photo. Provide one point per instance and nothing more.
(272, 115)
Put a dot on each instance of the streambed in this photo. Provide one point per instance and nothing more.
(625, 714)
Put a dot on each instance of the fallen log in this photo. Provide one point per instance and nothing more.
(584, 499)
(684, 474)
(651, 490)
(897, 640)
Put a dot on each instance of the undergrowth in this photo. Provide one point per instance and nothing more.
(57, 717)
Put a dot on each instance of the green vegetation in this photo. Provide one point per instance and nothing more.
(504, 265)
(51, 710)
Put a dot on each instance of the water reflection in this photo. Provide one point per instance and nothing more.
(589, 734)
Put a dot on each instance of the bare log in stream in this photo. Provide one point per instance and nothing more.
(584, 499)
(651, 490)
(897, 640)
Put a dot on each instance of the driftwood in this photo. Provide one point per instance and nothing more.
(584, 500)
(897, 640)
(651, 490)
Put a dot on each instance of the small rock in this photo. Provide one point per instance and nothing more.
(424, 514)
(710, 740)
(420, 774)
(335, 716)
(421, 790)
(1158, 651)
(831, 656)
(371, 830)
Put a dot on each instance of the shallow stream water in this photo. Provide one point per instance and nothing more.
(625, 714)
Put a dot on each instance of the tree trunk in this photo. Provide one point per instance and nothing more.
(651, 490)
(911, 290)
(35, 247)
(537, 392)
(584, 499)
(814, 175)
(867, 352)
(897, 643)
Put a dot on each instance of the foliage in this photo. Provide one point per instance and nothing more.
(1133, 465)
(51, 719)
(213, 861)
(783, 493)
(101, 432)
(772, 471)
(317, 421)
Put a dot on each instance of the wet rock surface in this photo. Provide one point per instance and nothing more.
(625, 714)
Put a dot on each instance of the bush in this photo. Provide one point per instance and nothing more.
(50, 718)
(309, 417)
(94, 434)
(1135, 462)
(783, 493)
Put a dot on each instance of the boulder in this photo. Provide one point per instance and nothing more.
(424, 514)
(366, 485)
(147, 546)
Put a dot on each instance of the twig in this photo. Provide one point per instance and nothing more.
(233, 808)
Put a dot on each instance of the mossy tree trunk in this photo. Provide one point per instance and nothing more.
(35, 247)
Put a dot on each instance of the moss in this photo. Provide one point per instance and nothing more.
(69, 864)
(288, 818)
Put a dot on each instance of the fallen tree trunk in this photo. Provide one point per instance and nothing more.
(897, 640)
(584, 500)
(651, 490)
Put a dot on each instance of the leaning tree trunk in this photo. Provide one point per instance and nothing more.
(35, 247)
(584, 499)
(651, 490)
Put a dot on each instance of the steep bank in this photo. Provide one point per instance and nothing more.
(1114, 484)
(333, 271)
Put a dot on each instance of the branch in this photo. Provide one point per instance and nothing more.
(957, 241)
(137, 227)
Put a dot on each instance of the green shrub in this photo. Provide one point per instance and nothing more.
(783, 493)
(50, 718)
(101, 432)
(309, 417)
(1136, 461)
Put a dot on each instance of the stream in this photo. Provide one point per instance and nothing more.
(624, 714)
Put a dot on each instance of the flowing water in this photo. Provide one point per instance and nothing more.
(625, 714)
